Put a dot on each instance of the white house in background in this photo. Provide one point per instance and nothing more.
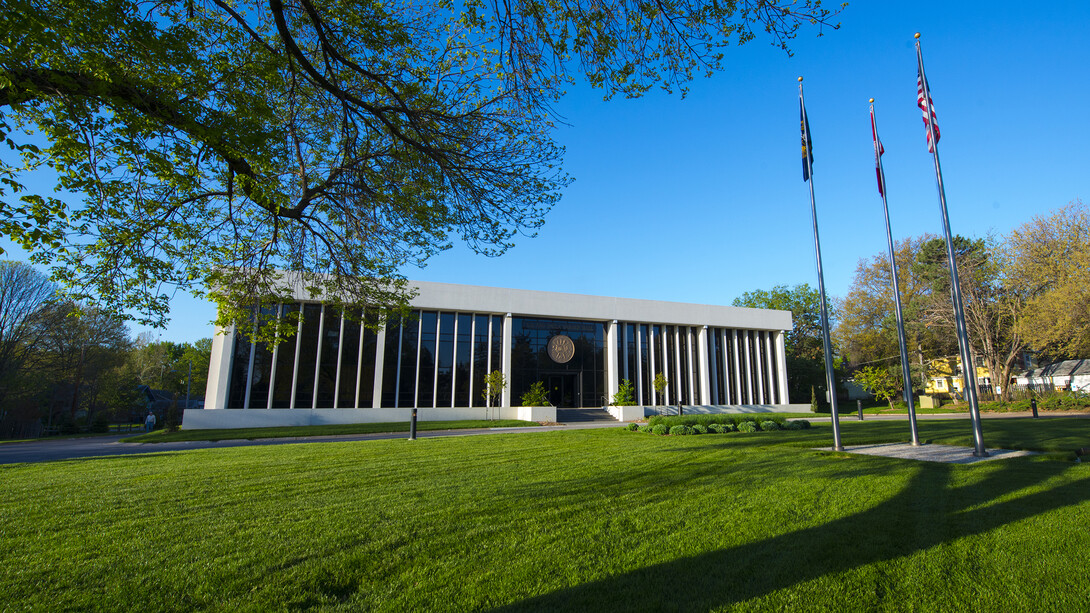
(715, 359)
(1073, 375)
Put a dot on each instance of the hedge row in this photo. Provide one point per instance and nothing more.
(742, 424)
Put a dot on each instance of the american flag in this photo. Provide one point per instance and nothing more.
(878, 151)
(927, 107)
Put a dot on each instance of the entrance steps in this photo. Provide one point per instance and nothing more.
(567, 416)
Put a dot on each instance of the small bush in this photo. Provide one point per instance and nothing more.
(659, 429)
(769, 425)
(681, 430)
(700, 429)
(536, 396)
(803, 422)
(632, 427)
(747, 426)
(644, 428)
(101, 423)
(792, 425)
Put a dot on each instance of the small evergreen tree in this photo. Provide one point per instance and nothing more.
(626, 394)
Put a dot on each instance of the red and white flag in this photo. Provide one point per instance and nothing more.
(927, 105)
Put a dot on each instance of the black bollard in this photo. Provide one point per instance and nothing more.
(412, 426)
(1033, 406)
(859, 407)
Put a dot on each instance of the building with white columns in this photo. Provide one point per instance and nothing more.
(714, 358)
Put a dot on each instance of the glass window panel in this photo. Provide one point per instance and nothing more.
(308, 354)
(285, 362)
(327, 361)
(240, 364)
(480, 359)
(425, 396)
(260, 378)
(444, 384)
(463, 355)
(410, 336)
(367, 364)
(390, 362)
(350, 355)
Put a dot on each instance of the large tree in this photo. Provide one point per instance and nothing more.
(1049, 263)
(992, 308)
(24, 292)
(867, 328)
(212, 142)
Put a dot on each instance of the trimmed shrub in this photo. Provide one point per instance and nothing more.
(644, 428)
(632, 427)
(101, 423)
(802, 422)
(700, 429)
(769, 426)
(747, 426)
(660, 429)
(681, 430)
(793, 425)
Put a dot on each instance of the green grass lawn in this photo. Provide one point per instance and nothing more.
(162, 436)
(598, 520)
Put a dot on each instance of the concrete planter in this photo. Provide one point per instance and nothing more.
(537, 414)
(626, 413)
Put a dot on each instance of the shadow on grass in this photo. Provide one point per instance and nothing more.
(928, 512)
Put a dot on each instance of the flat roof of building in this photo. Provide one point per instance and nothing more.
(533, 303)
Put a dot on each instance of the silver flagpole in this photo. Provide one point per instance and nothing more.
(968, 367)
(906, 376)
(829, 378)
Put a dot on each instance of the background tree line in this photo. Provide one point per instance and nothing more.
(65, 363)
(1024, 292)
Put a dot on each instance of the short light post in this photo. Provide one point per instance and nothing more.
(859, 407)
(1033, 407)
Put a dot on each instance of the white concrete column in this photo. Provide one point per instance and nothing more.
(651, 364)
(612, 364)
(506, 352)
(749, 368)
(380, 358)
(739, 396)
(641, 394)
(679, 380)
(337, 376)
(318, 358)
(219, 368)
(691, 374)
(250, 373)
(725, 398)
(705, 367)
(770, 369)
(671, 380)
(758, 366)
(781, 362)
(295, 365)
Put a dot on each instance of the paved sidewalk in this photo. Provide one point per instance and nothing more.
(948, 454)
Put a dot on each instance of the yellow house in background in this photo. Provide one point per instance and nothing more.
(943, 375)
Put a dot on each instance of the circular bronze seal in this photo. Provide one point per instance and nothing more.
(561, 349)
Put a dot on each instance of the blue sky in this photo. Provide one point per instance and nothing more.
(701, 199)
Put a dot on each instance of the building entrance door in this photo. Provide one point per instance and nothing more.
(564, 390)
